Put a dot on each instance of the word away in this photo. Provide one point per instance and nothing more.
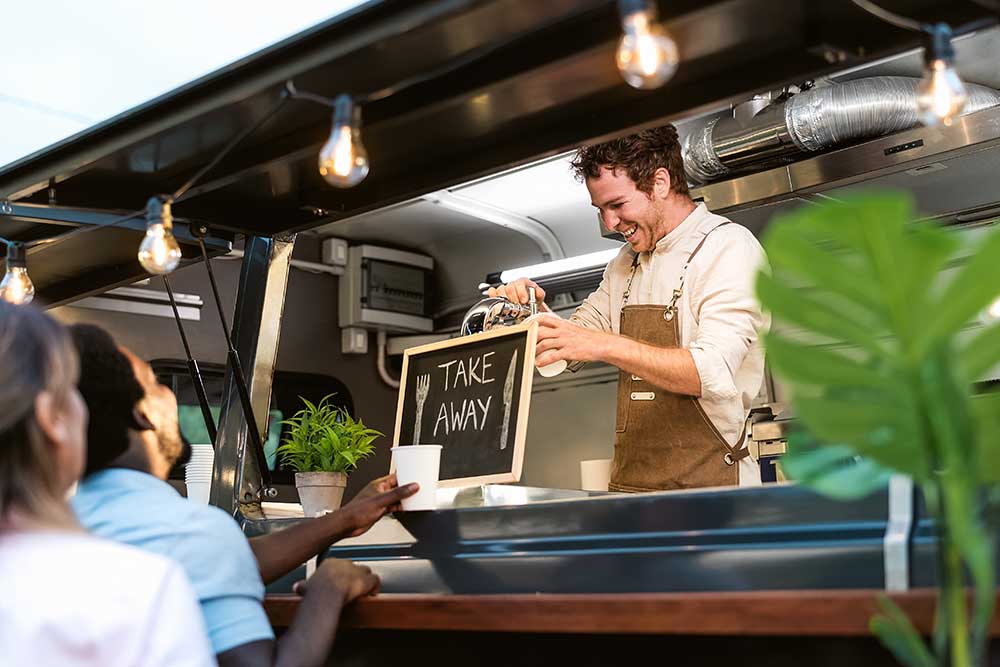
(457, 418)
(454, 416)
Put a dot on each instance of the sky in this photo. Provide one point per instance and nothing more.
(68, 64)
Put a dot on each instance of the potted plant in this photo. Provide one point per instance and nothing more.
(875, 332)
(324, 444)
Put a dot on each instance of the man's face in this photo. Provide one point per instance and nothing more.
(160, 407)
(625, 209)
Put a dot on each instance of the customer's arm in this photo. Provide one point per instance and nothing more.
(309, 638)
(280, 553)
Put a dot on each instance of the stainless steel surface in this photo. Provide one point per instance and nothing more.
(810, 121)
(943, 167)
(520, 540)
(236, 480)
(492, 312)
(506, 495)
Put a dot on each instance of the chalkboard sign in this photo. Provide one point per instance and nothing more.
(470, 395)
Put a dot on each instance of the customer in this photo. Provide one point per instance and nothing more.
(126, 498)
(67, 598)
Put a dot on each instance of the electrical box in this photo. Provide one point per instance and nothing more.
(333, 251)
(353, 340)
(386, 289)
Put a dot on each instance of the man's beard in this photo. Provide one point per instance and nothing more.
(174, 447)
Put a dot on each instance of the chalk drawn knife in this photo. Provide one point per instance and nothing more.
(508, 396)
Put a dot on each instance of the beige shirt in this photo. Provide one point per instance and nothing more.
(720, 318)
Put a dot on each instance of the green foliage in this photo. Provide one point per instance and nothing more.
(870, 336)
(325, 438)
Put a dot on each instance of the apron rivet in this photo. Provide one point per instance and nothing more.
(728, 458)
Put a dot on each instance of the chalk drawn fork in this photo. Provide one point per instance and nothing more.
(423, 386)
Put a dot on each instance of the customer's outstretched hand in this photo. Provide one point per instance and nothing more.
(380, 496)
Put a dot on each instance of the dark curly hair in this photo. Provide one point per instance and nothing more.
(640, 155)
(110, 390)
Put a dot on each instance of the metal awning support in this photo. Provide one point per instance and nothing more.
(260, 301)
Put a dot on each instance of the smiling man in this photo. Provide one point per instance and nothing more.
(675, 312)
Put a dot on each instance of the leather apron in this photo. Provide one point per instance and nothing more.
(664, 440)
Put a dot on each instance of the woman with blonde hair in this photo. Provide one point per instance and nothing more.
(67, 598)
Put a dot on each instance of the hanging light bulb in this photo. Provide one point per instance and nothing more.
(16, 286)
(941, 95)
(159, 252)
(343, 160)
(647, 56)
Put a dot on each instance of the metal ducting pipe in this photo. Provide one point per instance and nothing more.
(811, 121)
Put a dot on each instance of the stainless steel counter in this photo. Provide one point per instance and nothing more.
(508, 539)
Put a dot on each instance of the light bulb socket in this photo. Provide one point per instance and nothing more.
(937, 44)
(158, 211)
(346, 112)
(17, 256)
(627, 8)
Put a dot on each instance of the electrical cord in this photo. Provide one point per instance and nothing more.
(891, 18)
(234, 142)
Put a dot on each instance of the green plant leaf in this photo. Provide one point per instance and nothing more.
(972, 289)
(832, 470)
(818, 366)
(324, 437)
(898, 635)
(985, 409)
(795, 306)
(980, 354)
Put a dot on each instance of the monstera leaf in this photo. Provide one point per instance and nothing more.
(867, 312)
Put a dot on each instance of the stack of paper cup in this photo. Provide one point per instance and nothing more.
(198, 473)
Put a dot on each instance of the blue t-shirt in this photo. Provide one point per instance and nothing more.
(136, 508)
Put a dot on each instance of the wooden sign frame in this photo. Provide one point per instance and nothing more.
(527, 366)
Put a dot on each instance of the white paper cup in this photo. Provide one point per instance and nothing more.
(420, 464)
(199, 491)
(556, 367)
(553, 369)
(595, 474)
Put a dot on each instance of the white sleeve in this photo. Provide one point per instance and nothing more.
(175, 634)
(727, 311)
(595, 311)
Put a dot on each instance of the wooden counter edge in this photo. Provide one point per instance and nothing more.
(761, 613)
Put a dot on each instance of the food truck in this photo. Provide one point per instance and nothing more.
(470, 112)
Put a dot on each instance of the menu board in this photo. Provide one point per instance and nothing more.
(470, 395)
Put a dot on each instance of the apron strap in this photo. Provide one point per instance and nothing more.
(738, 452)
(702, 242)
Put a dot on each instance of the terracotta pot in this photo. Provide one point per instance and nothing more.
(320, 492)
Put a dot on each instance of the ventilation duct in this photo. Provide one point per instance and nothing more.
(810, 121)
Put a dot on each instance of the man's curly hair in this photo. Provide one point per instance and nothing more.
(640, 155)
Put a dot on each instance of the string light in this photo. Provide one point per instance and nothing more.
(647, 56)
(343, 160)
(159, 251)
(941, 95)
(16, 286)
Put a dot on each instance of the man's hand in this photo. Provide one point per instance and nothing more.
(380, 496)
(560, 339)
(340, 578)
(517, 292)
